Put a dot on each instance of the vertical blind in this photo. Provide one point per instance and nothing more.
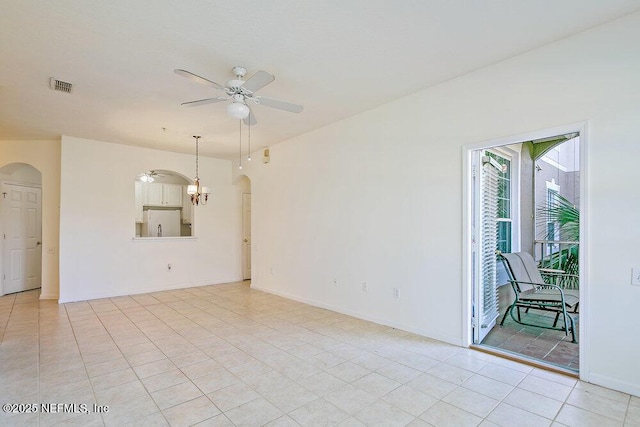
(489, 240)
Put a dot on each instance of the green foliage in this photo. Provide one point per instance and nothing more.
(567, 217)
(564, 213)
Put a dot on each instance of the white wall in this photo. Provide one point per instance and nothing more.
(44, 156)
(98, 255)
(377, 198)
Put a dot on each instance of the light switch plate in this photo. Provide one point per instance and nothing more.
(635, 276)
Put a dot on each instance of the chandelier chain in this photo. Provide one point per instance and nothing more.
(197, 139)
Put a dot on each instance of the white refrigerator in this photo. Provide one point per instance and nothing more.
(161, 223)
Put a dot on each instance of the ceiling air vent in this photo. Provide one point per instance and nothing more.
(59, 85)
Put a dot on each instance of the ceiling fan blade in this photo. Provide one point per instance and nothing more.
(281, 105)
(198, 79)
(250, 120)
(203, 101)
(258, 81)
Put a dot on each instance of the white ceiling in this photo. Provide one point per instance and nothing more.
(337, 58)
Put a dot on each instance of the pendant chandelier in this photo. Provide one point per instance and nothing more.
(199, 195)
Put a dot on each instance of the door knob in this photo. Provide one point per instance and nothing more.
(38, 243)
(246, 240)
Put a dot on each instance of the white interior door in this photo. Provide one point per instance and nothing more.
(22, 238)
(246, 236)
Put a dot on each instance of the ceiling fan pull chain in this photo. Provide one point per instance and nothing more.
(240, 146)
(249, 149)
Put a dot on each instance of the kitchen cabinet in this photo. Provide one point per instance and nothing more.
(172, 194)
(167, 195)
(153, 194)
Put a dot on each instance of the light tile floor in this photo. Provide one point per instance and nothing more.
(228, 355)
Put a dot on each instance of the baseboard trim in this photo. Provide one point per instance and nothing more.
(614, 384)
(99, 295)
(358, 315)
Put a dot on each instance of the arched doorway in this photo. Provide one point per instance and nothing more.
(21, 223)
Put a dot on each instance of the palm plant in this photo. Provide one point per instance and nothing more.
(563, 213)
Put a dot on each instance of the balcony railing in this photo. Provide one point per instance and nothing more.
(561, 256)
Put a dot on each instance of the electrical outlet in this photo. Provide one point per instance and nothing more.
(272, 270)
(396, 293)
(335, 282)
(364, 287)
(169, 266)
(635, 276)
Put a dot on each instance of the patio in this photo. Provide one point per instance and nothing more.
(548, 346)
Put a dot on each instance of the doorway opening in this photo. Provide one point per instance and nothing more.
(525, 198)
(21, 223)
(244, 186)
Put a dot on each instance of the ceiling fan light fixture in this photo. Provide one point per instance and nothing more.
(238, 110)
(146, 177)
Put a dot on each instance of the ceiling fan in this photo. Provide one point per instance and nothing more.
(150, 176)
(241, 93)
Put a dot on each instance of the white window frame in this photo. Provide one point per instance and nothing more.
(514, 158)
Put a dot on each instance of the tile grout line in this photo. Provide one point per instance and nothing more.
(97, 314)
(84, 365)
(169, 358)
